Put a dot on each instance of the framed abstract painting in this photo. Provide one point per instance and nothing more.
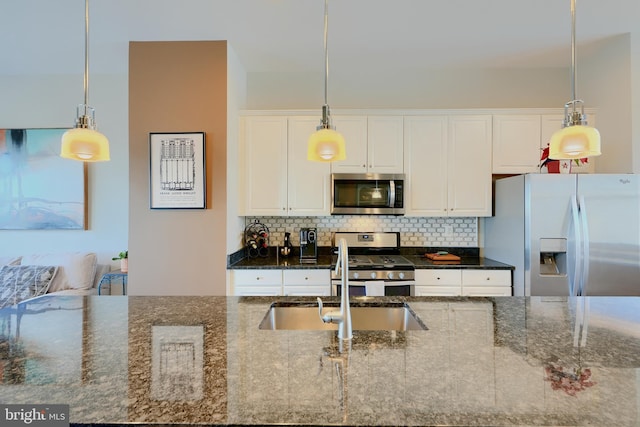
(39, 190)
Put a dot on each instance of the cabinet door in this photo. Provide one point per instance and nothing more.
(437, 291)
(257, 282)
(516, 143)
(307, 182)
(354, 131)
(469, 160)
(425, 165)
(265, 165)
(385, 144)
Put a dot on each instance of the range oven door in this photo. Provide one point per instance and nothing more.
(402, 288)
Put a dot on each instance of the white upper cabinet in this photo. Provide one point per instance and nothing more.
(307, 182)
(425, 165)
(265, 165)
(448, 165)
(374, 144)
(516, 143)
(278, 178)
(354, 131)
(469, 161)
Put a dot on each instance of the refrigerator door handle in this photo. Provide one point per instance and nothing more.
(585, 245)
(574, 281)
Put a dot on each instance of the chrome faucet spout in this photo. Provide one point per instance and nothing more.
(342, 317)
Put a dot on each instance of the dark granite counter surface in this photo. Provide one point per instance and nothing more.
(118, 360)
(469, 259)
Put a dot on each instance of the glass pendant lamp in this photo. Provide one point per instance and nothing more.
(84, 142)
(575, 140)
(326, 145)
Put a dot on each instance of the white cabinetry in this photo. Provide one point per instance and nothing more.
(438, 282)
(486, 283)
(257, 282)
(516, 143)
(466, 282)
(448, 165)
(374, 144)
(307, 282)
(272, 282)
(278, 178)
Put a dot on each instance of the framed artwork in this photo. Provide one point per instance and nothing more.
(39, 190)
(177, 174)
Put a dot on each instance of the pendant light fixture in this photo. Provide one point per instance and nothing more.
(84, 142)
(326, 145)
(575, 140)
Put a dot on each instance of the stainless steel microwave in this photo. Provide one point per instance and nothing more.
(367, 194)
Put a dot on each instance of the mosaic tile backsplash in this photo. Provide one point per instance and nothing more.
(414, 231)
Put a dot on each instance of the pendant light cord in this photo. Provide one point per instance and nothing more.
(86, 58)
(326, 51)
(574, 68)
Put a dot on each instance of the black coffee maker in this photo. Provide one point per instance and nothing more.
(308, 245)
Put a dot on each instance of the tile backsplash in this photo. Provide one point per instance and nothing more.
(414, 231)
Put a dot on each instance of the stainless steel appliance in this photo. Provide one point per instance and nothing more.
(367, 194)
(376, 267)
(568, 234)
(308, 245)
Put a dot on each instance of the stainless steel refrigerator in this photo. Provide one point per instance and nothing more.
(567, 234)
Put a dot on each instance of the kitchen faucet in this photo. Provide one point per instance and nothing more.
(342, 317)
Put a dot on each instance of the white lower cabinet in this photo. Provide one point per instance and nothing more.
(488, 283)
(466, 282)
(307, 282)
(274, 282)
(257, 282)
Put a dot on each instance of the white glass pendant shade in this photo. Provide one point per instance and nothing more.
(326, 145)
(575, 142)
(86, 145)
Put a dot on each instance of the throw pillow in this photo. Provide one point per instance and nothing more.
(20, 282)
(76, 270)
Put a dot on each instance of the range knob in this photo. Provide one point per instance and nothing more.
(390, 275)
(401, 275)
(356, 275)
(373, 275)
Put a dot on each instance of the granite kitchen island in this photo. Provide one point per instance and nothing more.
(204, 361)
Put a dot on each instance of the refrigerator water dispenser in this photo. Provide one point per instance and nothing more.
(553, 257)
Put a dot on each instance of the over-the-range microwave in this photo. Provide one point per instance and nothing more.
(367, 194)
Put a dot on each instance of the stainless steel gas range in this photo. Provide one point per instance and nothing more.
(376, 267)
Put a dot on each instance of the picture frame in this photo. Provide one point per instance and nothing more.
(39, 190)
(177, 170)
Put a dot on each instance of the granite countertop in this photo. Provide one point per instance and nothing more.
(203, 361)
(469, 259)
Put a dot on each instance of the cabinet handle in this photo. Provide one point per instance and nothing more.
(258, 278)
(364, 166)
(306, 278)
(488, 278)
(437, 278)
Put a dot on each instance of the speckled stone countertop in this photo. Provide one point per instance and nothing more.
(469, 259)
(203, 361)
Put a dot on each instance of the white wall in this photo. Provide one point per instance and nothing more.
(422, 89)
(604, 80)
(40, 101)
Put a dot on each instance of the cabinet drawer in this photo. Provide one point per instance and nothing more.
(307, 277)
(486, 291)
(439, 291)
(257, 277)
(486, 278)
(438, 277)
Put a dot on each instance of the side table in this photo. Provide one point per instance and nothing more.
(116, 275)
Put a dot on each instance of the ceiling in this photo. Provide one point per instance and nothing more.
(44, 36)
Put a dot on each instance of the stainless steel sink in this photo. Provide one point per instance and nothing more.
(392, 316)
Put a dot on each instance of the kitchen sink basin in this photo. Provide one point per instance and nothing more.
(392, 316)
